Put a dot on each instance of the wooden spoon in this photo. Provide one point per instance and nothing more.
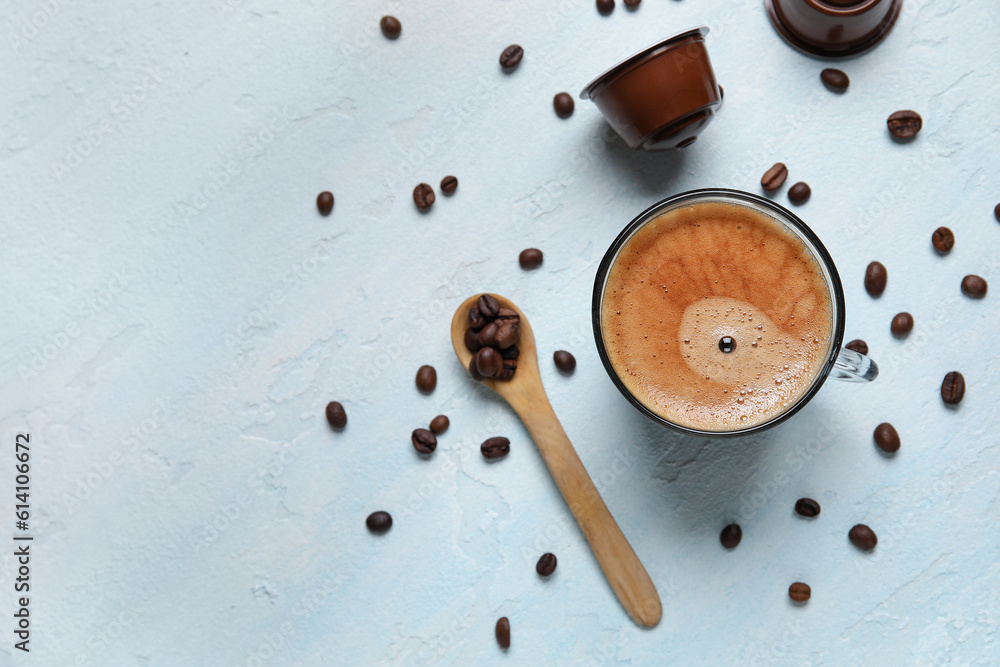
(524, 393)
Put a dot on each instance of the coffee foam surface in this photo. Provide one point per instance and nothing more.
(701, 272)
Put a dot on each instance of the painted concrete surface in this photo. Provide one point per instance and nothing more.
(177, 315)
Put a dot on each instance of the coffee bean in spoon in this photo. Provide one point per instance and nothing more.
(488, 306)
(488, 362)
(508, 333)
(488, 334)
(472, 343)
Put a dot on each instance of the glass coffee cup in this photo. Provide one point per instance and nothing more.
(720, 313)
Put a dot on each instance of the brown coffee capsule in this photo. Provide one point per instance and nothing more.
(833, 28)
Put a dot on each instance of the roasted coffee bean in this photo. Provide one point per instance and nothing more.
(476, 320)
(886, 438)
(531, 258)
(563, 104)
(391, 27)
(449, 184)
(863, 537)
(488, 334)
(379, 522)
(546, 565)
(799, 193)
(472, 343)
(905, 124)
(605, 7)
(508, 334)
(508, 370)
(974, 287)
(799, 592)
(324, 202)
(875, 278)
(473, 371)
(427, 379)
(423, 196)
(858, 345)
(943, 240)
(774, 177)
(807, 507)
(512, 352)
(508, 314)
(503, 632)
(564, 361)
(902, 324)
(424, 441)
(488, 362)
(440, 424)
(996, 212)
(834, 79)
(953, 388)
(731, 536)
(488, 305)
(632, 4)
(335, 415)
(495, 448)
(511, 56)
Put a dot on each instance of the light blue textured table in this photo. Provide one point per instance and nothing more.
(177, 315)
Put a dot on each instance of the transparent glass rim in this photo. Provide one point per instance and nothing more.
(763, 205)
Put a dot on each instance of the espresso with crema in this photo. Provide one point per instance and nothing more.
(716, 317)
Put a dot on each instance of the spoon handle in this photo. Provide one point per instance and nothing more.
(627, 576)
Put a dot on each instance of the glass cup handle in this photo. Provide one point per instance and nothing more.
(854, 367)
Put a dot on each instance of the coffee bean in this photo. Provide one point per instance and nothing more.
(996, 212)
(427, 379)
(508, 334)
(563, 104)
(424, 441)
(605, 7)
(943, 240)
(511, 56)
(807, 507)
(774, 177)
(423, 196)
(508, 314)
(379, 522)
(508, 370)
(449, 184)
(875, 278)
(476, 320)
(488, 334)
(565, 361)
(799, 592)
(904, 124)
(488, 305)
(632, 4)
(474, 371)
(488, 362)
(503, 632)
(863, 537)
(953, 388)
(494, 448)
(472, 343)
(335, 415)
(391, 27)
(799, 193)
(530, 258)
(512, 352)
(886, 438)
(440, 424)
(834, 79)
(858, 345)
(902, 324)
(324, 202)
(974, 287)
(546, 565)
(731, 536)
